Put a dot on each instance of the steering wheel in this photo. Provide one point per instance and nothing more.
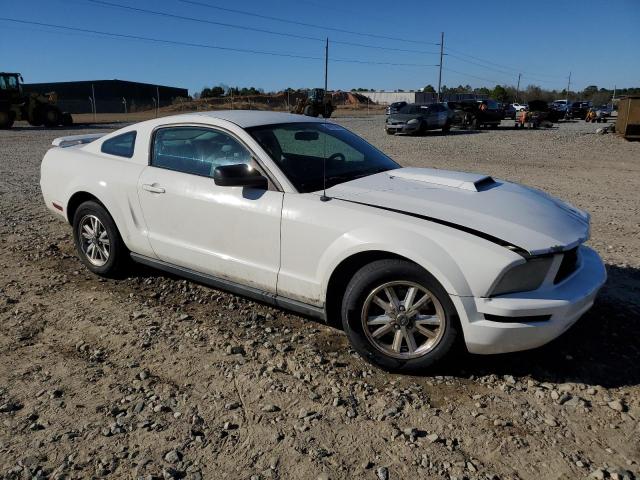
(337, 156)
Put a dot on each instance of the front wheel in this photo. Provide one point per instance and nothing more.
(98, 241)
(446, 128)
(6, 120)
(398, 316)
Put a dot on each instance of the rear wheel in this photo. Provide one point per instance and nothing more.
(398, 316)
(476, 123)
(67, 119)
(52, 117)
(446, 128)
(98, 241)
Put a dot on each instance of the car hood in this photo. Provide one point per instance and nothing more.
(514, 214)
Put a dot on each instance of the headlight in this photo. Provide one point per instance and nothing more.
(524, 277)
(413, 121)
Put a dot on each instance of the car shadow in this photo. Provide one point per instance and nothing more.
(602, 348)
(440, 133)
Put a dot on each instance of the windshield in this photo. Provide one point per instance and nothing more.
(299, 149)
(8, 82)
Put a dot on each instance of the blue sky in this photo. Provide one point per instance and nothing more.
(486, 42)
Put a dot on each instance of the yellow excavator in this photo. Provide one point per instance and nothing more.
(35, 108)
(318, 102)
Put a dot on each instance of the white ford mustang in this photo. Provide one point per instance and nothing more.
(303, 214)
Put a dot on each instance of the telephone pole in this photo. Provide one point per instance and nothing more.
(326, 64)
(518, 87)
(440, 72)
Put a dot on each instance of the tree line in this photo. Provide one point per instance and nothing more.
(501, 93)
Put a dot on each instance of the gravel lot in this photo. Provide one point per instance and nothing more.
(157, 377)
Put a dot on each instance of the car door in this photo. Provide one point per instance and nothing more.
(432, 117)
(228, 232)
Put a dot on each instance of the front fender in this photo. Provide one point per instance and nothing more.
(411, 245)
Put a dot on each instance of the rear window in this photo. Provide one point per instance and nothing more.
(121, 145)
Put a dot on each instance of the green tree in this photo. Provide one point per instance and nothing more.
(500, 93)
(429, 89)
(217, 91)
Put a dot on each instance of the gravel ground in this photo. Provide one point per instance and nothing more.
(158, 377)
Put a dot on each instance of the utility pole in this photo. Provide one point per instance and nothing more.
(566, 112)
(326, 64)
(614, 96)
(93, 102)
(440, 72)
(518, 87)
(158, 100)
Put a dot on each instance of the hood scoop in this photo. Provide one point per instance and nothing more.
(465, 181)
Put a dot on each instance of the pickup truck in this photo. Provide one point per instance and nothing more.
(476, 114)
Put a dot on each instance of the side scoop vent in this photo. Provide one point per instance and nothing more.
(484, 184)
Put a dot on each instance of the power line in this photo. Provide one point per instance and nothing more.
(473, 76)
(510, 73)
(244, 27)
(294, 22)
(511, 69)
(204, 45)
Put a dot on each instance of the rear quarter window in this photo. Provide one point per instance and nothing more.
(120, 145)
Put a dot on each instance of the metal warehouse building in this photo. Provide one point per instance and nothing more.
(385, 98)
(110, 96)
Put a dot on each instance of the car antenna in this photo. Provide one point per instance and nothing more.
(324, 197)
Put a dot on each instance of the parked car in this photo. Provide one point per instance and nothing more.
(604, 111)
(303, 214)
(579, 110)
(519, 107)
(394, 107)
(417, 119)
(509, 111)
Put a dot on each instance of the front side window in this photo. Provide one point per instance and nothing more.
(196, 150)
(121, 145)
(309, 152)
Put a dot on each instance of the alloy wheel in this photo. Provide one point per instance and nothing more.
(403, 319)
(94, 240)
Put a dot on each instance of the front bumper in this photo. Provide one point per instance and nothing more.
(565, 302)
(402, 128)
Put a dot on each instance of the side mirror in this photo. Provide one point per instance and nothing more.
(240, 175)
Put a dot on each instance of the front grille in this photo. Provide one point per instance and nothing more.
(568, 266)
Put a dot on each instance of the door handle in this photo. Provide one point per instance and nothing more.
(152, 188)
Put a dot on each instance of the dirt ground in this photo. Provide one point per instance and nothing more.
(158, 377)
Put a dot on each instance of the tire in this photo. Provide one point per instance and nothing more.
(111, 265)
(6, 120)
(309, 111)
(389, 132)
(446, 128)
(67, 119)
(357, 304)
(475, 123)
(52, 117)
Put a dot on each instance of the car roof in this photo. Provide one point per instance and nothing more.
(245, 118)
